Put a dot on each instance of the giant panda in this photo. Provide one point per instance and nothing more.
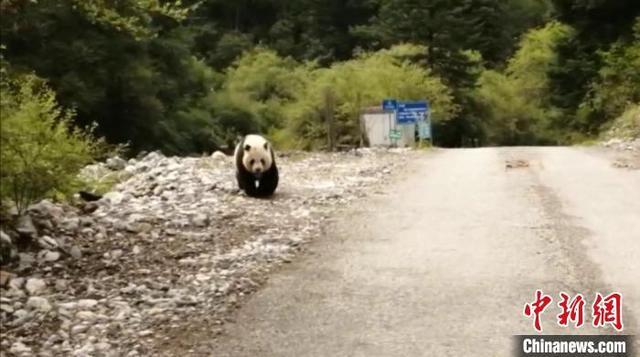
(256, 170)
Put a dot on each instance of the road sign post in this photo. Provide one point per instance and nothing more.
(389, 105)
(411, 112)
(408, 113)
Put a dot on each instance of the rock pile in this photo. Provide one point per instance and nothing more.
(632, 145)
(175, 241)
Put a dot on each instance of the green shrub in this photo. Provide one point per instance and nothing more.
(626, 126)
(515, 102)
(338, 94)
(41, 152)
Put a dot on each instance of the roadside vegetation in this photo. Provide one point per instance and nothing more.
(188, 77)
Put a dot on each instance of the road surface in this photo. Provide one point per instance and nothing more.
(444, 262)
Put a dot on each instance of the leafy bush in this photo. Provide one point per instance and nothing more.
(626, 126)
(336, 95)
(41, 153)
(618, 85)
(516, 102)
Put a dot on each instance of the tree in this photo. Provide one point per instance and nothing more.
(598, 24)
(355, 84)
(516, 103)
(131, 16)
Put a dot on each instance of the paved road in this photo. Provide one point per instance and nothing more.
(443, 264)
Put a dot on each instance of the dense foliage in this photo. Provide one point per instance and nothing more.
(41, 150)
(189, 76)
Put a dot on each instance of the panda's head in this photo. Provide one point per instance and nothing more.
(256, 157)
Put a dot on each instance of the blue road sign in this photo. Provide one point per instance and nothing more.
(411, 112)
(389, 105)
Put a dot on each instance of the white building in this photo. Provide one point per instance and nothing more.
(380, 128)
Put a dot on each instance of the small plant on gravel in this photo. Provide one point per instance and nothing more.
(41, 152)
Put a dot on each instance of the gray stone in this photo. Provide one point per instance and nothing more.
(75, 252)
(21, 317)
(86, 221)
(61, 285)
(48, 256)
(46, 208)
(26, 260)
(71, 224)
(116, 163)
(25, 226)
(47, 242)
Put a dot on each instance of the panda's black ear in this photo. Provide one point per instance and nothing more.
(247, 147)
(266, 146)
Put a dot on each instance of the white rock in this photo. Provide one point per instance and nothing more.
(116, 163)
(87, 303)
(85, 315)
(21, 314)
(200, 220)
(19, 348)
(35, 286)
(202, 277)
(38, 303)
(16, 283)
(114, 197)
(76, 329)
(5, 238)
(71, 305)
(219, 155)
(103, 346)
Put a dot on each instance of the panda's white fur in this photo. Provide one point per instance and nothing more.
(256, 154)
(256, 170)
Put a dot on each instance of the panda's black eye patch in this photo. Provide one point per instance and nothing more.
(252, 161)
(262, 162)
(247, 147)
(266, 146)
